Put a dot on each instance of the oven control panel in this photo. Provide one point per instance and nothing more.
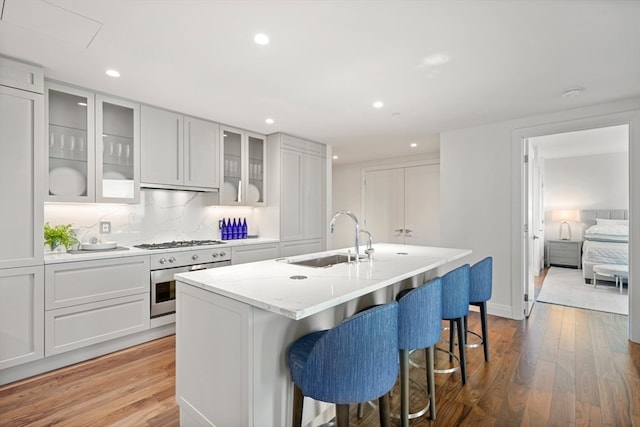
(184, 258)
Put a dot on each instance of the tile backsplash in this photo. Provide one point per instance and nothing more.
(161, 215)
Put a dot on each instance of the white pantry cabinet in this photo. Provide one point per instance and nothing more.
(21, 213)
(243, 173)
(21, 315)
(179, 151)
(93, 146)
(302, 189)
(252, 253)
(21, 177)
(88, 302)
(298, 176)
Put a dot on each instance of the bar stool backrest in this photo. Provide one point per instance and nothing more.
(455, 293)
(481, 280)
(355, 361)
(420, 316)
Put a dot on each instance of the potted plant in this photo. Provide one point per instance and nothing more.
(59, 235)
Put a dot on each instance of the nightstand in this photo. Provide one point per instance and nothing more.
(565, 253)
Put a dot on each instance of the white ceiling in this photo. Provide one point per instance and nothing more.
(612, 139)
(329, 60)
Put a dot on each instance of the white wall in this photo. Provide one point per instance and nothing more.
(585, 182)
(480, 208)
(347, 191)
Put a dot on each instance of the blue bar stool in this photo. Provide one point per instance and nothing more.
(419, 326)
(354, 362)
(479, 294)
(455, 306)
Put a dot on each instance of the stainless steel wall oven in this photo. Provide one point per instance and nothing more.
(168, 263)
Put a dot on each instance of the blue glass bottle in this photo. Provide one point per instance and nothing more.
(244, 228)
(223, 230)
(234, 229)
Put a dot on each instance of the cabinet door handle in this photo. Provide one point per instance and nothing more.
(178, 150)
(407, 232)
(188, 153)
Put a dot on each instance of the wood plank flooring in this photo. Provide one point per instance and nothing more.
(562, 367)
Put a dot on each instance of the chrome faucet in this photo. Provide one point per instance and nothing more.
(332, 224)
(369, 251)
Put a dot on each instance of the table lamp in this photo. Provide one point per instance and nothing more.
(565, 216)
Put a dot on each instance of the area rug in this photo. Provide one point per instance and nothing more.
(565, 286)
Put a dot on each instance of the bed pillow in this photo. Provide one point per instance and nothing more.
(601, 221)
(607, 233)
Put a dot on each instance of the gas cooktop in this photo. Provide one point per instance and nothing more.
(179, 244)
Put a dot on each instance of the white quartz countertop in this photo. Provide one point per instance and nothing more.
(269, 284)
(61, 257)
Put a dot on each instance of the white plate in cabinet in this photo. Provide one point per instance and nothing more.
(75, 327)
(74, 283)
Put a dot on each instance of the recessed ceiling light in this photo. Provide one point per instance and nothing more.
(269, 121)
(335, 157)
(112, 73)
(261, 39)
(572, 92)
(378, 104)
(435, 59)
(414, 145)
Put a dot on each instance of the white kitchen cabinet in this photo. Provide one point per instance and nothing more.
(253, 253)
(21, 315)
(71, 144)
(302, 190)
(402, 205)
(21, 177)
(88, 302)
(21, 76)
(117, 151)
(93, 147)
(201, 153)
(301, 247)
(298, 174)
(179, 151)
(243, 174)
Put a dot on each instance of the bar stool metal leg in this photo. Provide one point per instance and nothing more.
(298, 399)
(430, 356)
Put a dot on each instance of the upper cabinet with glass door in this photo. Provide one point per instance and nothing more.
(244, 163)
(93, 147)
(71, 167)
(117, 150)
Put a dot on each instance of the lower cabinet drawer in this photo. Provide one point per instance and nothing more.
(75, 283)
(75, 327)
(300, 247)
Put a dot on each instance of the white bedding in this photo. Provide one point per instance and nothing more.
(605, 252)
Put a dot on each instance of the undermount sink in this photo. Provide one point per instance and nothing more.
(324, 261)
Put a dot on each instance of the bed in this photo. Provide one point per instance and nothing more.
(606, 239)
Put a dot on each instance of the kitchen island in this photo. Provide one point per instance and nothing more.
(234, 324)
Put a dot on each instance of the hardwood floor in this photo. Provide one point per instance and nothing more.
(132, 387)
(562, 367)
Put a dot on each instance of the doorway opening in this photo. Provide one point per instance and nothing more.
(524, 283)
(578, 173)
